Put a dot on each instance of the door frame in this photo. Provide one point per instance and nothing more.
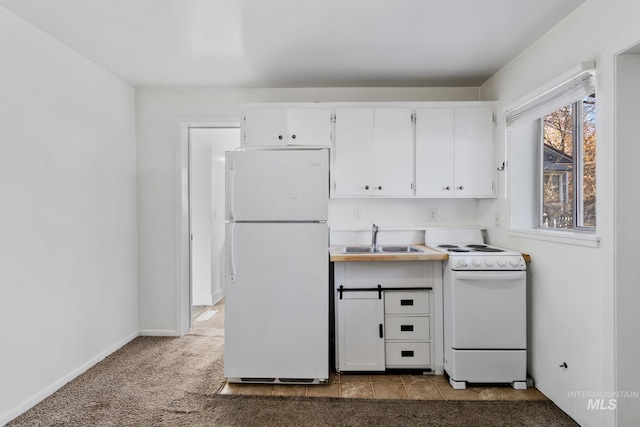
(183, 215)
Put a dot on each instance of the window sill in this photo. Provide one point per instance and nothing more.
(566, 237)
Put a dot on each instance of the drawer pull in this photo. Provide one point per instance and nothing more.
(406, 302)
(406, 328)
(406, 353)
(380, 330)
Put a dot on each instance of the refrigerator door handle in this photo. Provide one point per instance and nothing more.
(230, 189)
(231, 254)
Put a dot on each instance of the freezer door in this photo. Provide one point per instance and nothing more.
(277, 301)
(277, 185)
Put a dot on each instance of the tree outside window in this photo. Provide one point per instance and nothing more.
(569, 166)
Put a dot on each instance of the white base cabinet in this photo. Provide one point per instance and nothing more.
(407, 326)
(361, 345)
(388, 315)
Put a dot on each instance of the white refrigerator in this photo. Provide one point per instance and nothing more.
(277, 263)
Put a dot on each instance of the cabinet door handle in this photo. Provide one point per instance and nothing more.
(461, 188)
(448, 187)
(380, 187)
(381, 330)
(406, 353)
(293, 136)
(366, 187)
(406, 302)
(279, 136)
(406, 328)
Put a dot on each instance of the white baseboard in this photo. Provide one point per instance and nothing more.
(202, 299)
(216, 297)
(158, 333)
(55, 386)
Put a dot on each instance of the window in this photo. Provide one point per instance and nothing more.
(552, 141)
(568, 179)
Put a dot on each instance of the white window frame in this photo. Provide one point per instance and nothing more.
(571, 86)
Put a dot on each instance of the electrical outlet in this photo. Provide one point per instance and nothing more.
(432, 214)
(497, 219)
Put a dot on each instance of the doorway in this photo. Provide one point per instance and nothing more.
(627, 229)
(207, 146)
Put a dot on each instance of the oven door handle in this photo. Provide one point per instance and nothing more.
(489, 275)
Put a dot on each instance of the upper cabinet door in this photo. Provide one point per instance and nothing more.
(393, 152)
(353, 155)
(373, 152)
(455, 152)
(309, 126)
(474, 152)
(281, 127)
(265, 128)
(435, 140)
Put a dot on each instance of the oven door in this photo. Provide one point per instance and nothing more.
(488, 310)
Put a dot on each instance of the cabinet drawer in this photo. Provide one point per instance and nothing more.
(409, 354)
(406, 302)
(406, 328)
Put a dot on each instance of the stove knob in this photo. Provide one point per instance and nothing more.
(463, 262)
(501, 262)
(488, 262)
(515, 261)
(477, 262)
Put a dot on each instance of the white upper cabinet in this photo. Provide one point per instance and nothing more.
(435, 142)
(282, 127)
(393, 147)
(373, 153)
(353, 154)
(455, 152)
(474, 153)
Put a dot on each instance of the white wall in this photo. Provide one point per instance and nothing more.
(161, 115)
(573, 287)
(200, 199)
(68, 256)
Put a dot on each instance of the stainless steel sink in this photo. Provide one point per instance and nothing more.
(357, 250)
(399, 249)
(379, 249)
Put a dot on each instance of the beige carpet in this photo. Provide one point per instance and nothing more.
(156, 381)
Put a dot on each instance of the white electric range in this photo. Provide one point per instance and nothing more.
(484, 293)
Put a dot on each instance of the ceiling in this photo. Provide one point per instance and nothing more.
(297, 43)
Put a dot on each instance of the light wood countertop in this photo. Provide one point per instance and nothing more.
(427, 254)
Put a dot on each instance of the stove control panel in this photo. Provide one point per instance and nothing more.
(488, 263)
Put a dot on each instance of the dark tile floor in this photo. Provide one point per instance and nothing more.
(385, 386)
(413, 387)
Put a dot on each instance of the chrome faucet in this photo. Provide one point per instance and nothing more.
(374, 236)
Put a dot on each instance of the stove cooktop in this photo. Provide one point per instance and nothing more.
(478, 257)
(470, 248)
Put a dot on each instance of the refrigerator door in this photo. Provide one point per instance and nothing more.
(277, 185)
(277, 297)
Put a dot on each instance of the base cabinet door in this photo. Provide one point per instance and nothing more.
(361, 346)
